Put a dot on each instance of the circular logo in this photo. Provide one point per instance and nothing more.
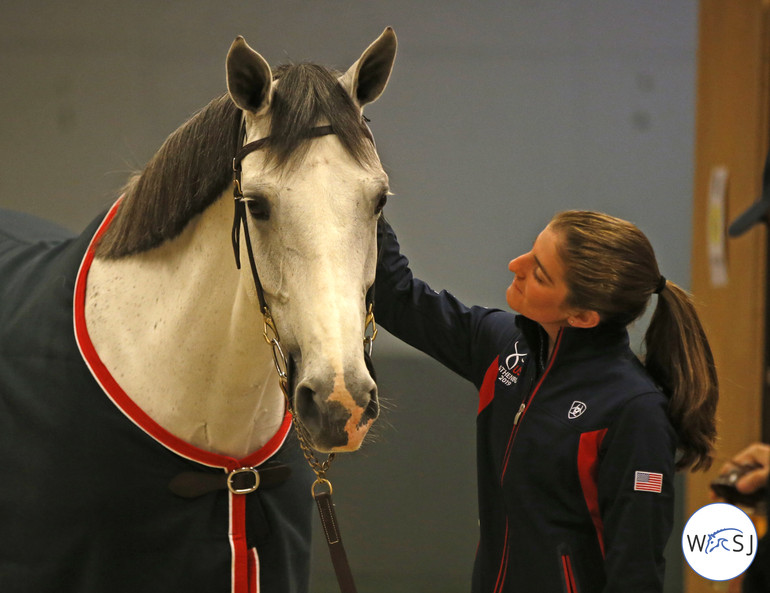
(719, 541)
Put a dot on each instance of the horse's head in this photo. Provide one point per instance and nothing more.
(312, 210)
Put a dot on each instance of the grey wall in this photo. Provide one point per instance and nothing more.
(498, 114)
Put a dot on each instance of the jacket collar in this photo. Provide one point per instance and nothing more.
(576, 343)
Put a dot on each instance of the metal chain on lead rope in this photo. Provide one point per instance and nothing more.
(319, 467)
(270, 333)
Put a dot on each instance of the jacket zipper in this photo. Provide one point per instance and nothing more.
(522, 409)
(502, 573)
(519, 413)
(525, 405)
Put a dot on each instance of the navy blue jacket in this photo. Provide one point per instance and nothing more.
(85, 504)
(575, 454)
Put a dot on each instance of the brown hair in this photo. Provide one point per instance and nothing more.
(611, 269)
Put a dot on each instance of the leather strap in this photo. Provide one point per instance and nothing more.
(195, 484)
(334, 541)
(262, 142)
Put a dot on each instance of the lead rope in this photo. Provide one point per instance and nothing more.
(321, 490)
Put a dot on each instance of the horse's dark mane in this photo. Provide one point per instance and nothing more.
(193, 167)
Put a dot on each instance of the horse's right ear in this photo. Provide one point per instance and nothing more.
(249, 78)
(367, 78)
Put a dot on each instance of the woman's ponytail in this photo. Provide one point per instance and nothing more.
(678, 357)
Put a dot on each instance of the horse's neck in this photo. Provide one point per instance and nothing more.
(184, 341)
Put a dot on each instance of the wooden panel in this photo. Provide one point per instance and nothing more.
(731, 131)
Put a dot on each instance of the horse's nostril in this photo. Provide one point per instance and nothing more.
(373, 407)
(305, 406)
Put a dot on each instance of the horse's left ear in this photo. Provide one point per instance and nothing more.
(249, 78)
(367, 78)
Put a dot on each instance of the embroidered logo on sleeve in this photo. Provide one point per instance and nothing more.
(648, 482)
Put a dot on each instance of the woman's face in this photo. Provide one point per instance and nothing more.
(538, 290)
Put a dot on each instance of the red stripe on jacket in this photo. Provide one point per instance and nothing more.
(487, 391)
(588, 470)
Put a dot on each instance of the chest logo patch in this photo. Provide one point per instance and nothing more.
(509, 373)
(576, 410)
(513, 360)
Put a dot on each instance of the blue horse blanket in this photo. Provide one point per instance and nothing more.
(85, 504)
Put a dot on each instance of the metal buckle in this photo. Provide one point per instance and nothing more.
(270, 334)
(370, 324)
(242, 470)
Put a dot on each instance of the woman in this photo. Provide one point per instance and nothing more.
(577, 440)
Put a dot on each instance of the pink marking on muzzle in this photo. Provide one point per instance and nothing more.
(355, 428)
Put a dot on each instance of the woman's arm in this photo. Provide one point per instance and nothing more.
(462, 338)
(637, 516)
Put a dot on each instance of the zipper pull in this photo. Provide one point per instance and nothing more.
(519, 413)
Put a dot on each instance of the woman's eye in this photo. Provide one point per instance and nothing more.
(259, 207)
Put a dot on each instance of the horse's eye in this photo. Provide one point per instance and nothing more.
(383, 199)
(259, 207)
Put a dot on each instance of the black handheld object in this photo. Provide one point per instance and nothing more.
(724, 487)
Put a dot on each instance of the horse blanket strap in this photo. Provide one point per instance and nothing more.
(334, 541)
(243, 480)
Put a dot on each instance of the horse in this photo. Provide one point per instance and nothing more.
(145, 439)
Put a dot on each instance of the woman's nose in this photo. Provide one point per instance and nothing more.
(515, 266)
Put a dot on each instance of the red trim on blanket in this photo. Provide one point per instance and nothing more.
(245, 563)
(136, 414)
(242, 567)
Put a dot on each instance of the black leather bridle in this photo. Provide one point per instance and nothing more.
(240, 220)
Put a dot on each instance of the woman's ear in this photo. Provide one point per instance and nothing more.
(584, 319)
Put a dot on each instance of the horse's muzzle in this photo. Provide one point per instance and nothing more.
(336, 414)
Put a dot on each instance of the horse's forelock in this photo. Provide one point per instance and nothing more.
(305, 95)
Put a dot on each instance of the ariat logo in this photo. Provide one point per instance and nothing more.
(719, 541)
(576, 410)
(509, 373)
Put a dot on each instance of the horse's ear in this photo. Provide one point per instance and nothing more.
(367, 78)
(249, 78)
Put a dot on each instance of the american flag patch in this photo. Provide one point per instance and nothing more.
(648, 482)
